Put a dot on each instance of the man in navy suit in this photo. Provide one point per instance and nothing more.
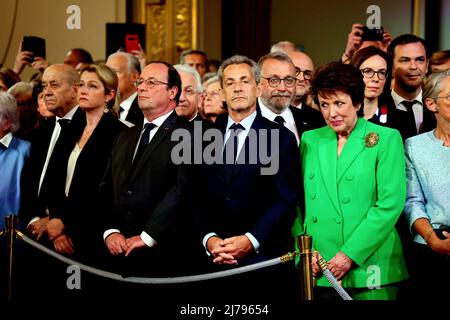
(246, 212)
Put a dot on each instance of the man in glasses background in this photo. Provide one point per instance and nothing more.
(277, 89)
(302, 100)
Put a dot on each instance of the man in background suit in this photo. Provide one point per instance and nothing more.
(409, 56)
(246, 215)
(142, 188)
(127, 68)
(302, 100)
(51, 147)
(277, 88)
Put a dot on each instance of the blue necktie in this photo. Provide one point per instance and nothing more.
(231, 146)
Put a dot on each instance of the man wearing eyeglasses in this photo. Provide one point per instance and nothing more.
(409, 56)
(190, 93)
(302, 99)
(142, 187)
(278, 88)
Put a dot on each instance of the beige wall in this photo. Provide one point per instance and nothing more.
(322, 26)
(47, 19)
(210, 28)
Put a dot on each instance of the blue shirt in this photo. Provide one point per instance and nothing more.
(11, 163)
(428, 181)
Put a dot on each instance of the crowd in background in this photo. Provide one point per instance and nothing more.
(363, 150)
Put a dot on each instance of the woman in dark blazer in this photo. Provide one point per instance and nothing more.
(74, 226)
(374, 66)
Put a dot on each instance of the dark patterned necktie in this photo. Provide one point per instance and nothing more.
(231, 146)
(280, 120)
(410, 119)
(145, 137)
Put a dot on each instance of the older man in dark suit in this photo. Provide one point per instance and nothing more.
(247, 211)
(127, 68)
(142, 187)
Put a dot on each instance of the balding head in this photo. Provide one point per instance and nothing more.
(60, 87)
(283, 46)
(304, 65)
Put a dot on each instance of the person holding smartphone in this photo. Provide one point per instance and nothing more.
(357, 40)
(26, 57)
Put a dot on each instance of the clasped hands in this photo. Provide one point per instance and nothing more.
(54, 228)
(118, 244)
(229, 250)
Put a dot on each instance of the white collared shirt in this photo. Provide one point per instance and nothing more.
(126, 105)
(55, 136)
(53, 140)
(146, 238)
(6, 140)
(417, 107)
(286, 114)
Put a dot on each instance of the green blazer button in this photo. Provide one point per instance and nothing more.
(346, 200)
(338, 220)
(314, 219)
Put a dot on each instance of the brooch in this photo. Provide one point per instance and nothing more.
(372, 139)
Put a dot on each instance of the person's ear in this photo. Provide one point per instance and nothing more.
(431, 105)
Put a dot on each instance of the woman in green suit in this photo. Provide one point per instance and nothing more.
(354, 179)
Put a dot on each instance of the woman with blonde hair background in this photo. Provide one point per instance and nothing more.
(427, 206)
(74, 226)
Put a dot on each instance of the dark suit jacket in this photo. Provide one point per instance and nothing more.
(398, 119)
(31, 204)
(146, 196)
(263, 205)
(308, 116)
(80, 211)
(135, 114)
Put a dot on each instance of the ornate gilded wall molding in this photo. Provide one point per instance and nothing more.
(171, 28)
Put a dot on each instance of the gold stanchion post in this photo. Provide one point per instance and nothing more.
(10, 223)
(306, 279)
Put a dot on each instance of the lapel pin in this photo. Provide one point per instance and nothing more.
(372, 139)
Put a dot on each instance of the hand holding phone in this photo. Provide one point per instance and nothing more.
(372, 34)
(35, 45)
(131, 43)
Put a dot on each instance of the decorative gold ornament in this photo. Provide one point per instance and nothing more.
(372, 139)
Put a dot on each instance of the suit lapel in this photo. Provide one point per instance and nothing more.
(353, 147)
(327, 153)
(163, 131)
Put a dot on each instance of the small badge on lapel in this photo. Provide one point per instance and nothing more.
(372, 139)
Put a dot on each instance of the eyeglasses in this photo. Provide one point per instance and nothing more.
(212, 94)
(447, 97)
(307, 74)
(369, 73)
(274, 82)
(150, 82)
